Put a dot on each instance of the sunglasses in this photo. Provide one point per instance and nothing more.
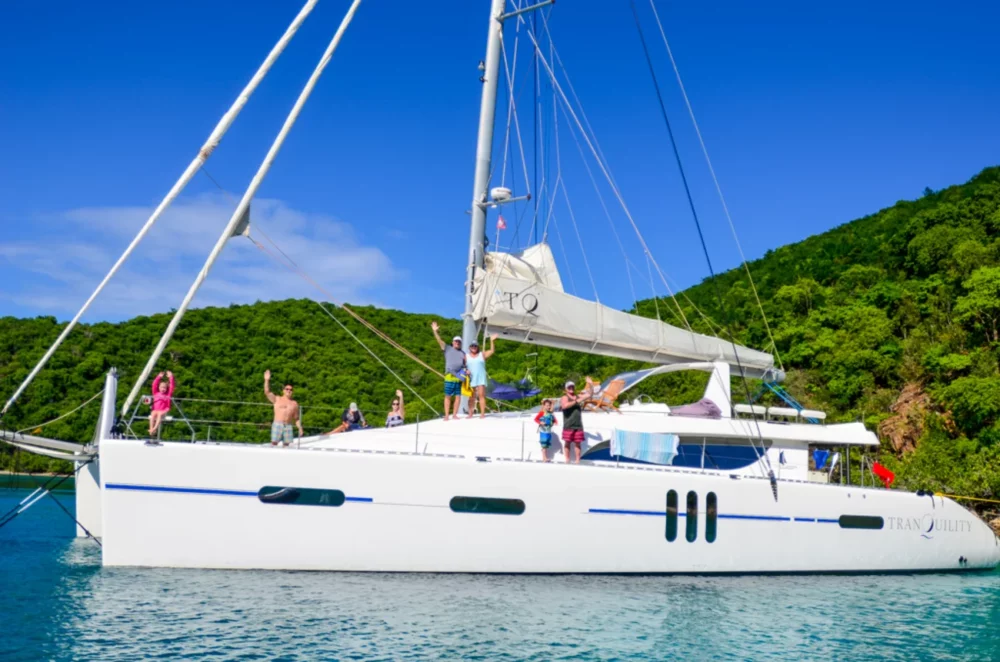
(395, 403)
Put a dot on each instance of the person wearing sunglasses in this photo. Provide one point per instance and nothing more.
(286, 412)
(398, 411)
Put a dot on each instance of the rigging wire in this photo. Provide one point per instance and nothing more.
(604, 206)
(595, 147)
(562, 247)
(656, 299)
(40, 493)
(600, 163)
(572, 90)
(512, 109)
(306, 277)
(250, 404)
(371, 327)
(569, 207)
(225, 122)
(534, 128)
(701, 237)
(73, 517)
(243, 207)
(59, 418)
(715, 180)
(291, 265)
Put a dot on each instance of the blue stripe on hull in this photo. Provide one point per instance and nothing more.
(179, 490)
(660, 513)
(201, 490)
(595, 511)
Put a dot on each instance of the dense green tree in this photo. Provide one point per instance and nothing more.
(979, 308)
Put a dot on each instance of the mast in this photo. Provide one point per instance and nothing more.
(484, 153)
(242, 210)
(192, 169)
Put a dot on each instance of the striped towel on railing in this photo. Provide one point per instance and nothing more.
(653, 447)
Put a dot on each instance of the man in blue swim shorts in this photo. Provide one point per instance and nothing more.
(454, 366)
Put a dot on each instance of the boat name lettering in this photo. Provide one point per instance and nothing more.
(528, 302)
(928, 524)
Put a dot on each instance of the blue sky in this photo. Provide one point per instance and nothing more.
(814, 114)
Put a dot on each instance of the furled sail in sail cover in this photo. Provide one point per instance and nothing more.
(520, 295)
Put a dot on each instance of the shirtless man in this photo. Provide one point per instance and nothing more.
(286, 412)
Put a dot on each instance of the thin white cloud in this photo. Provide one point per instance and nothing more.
(70, 252)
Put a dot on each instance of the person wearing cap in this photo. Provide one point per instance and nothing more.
(454, 370)
(475, 361)
(352, 419)
(572, 411)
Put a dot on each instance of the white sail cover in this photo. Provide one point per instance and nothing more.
(520, 295)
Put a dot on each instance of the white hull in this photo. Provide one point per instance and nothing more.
(196, 506)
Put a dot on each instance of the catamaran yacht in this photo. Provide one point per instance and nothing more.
(722, 488)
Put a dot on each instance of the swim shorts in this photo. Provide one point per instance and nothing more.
(572, 436)
(281, 432)
(545, 439)
(452, 387)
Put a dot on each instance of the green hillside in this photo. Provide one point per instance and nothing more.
(893, 319)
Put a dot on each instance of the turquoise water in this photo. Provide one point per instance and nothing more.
(57, 603)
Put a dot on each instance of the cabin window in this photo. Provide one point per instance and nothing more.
(861, 522)
(692, 517)
(486, 505)
(711, 516)
(300, 496)
(671, 516)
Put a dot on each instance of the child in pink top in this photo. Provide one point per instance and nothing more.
(162, 394)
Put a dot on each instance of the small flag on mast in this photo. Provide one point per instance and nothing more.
(501, 224)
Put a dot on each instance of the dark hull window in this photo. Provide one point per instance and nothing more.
(300, 496)
(671, 516)
(486, 505)
(691, 532)
(861, 522)
(711, 516)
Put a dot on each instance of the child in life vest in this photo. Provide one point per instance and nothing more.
(545, 419)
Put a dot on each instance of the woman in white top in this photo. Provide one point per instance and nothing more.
(398, 411)
(475, 363)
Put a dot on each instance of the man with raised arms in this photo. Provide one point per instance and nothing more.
(286, 412)
(454, 370)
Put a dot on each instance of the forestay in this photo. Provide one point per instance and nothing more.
(520, 296)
